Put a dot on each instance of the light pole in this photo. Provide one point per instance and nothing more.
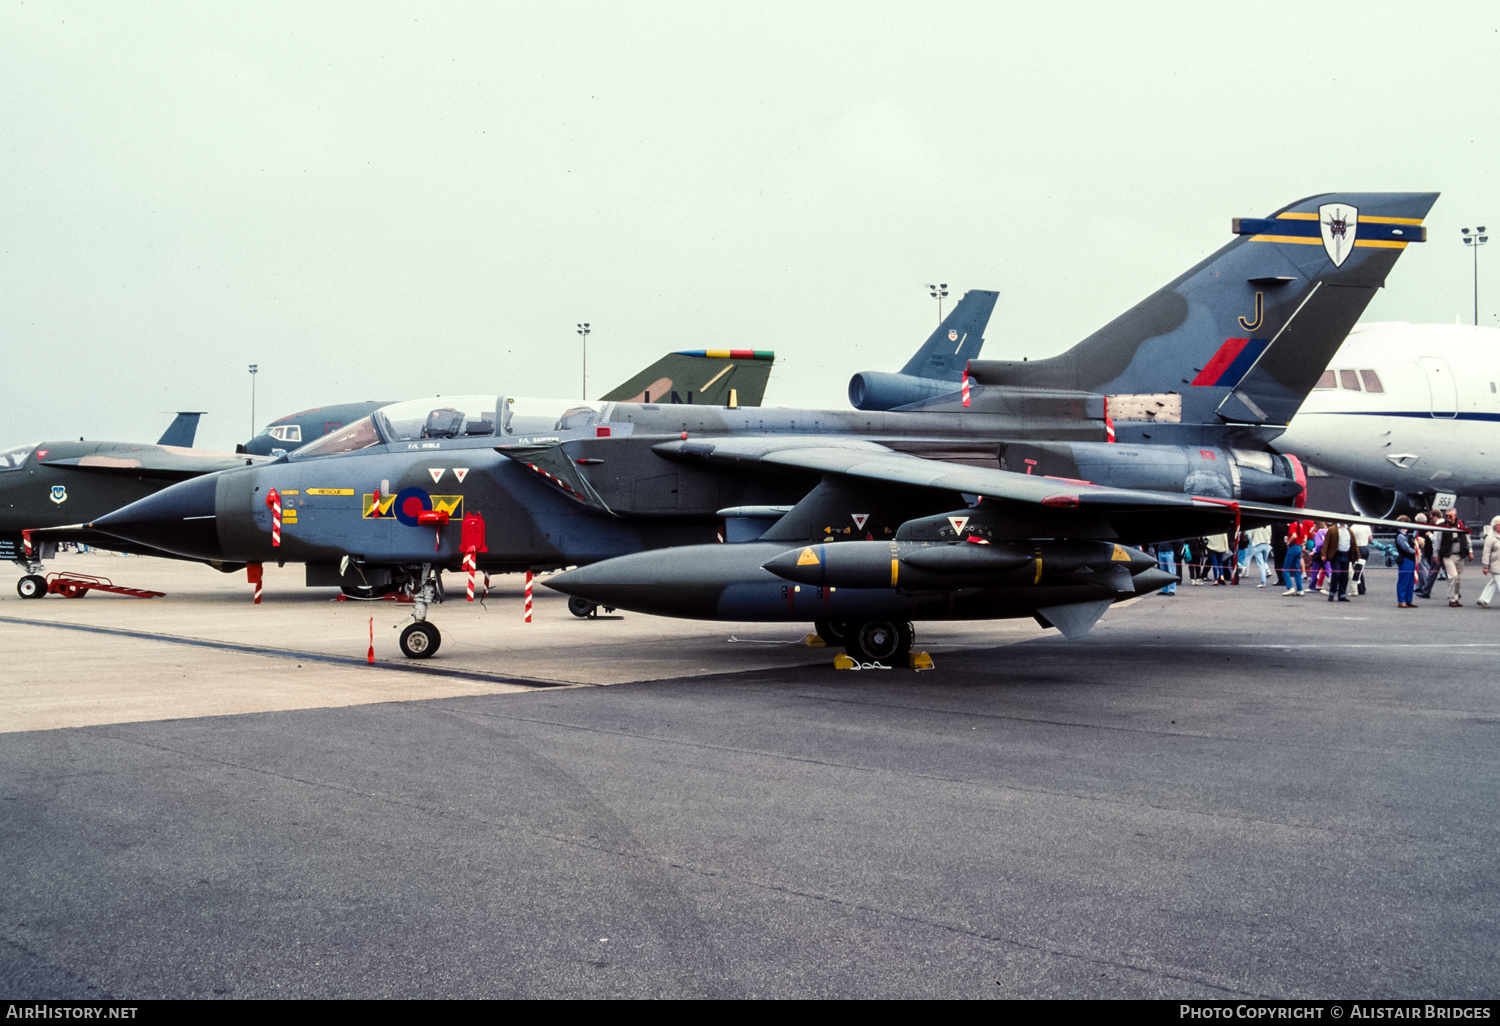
(254, 369)
(1474, 240)
(938, 292)
(583, 329)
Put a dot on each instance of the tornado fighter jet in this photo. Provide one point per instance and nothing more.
(1168, 408)
(48, 490)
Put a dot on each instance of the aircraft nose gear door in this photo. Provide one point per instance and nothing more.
(421, 639)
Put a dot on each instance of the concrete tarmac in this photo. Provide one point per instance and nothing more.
(1224, 794)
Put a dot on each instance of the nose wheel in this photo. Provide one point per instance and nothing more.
(32, 586)
(420, 640)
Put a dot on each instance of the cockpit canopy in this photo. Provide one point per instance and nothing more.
(521, 417)
(466, 416)
(359, 435)
(14, 459)
(458, 416)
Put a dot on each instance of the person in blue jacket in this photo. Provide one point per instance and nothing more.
(1407, 549)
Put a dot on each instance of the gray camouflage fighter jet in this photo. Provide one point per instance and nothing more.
(381, 504)
(1300, 280)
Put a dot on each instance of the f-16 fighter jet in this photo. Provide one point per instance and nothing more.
(381, 503)
(935, 369)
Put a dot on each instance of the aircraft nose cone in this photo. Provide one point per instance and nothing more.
(666, 582)
(180, 519)
(785, 565)
(608, 582)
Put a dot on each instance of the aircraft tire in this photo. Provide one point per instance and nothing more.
(582, 607)
(32, 586)
(420, 640)
(831, 631)
(879, 641)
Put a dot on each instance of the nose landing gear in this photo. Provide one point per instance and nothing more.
(421, 639)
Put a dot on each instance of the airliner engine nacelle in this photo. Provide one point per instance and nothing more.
(1382, 503)
(882, 390)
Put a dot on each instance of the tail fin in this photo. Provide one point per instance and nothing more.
(703, 377)
(957, 339)
(1299, 278)
(182, 431)
(937, 367)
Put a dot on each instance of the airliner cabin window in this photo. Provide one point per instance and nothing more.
(1372, 381)
(1349, 379)
(1328, 380)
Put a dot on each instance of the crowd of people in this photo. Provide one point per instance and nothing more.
(1310, 557)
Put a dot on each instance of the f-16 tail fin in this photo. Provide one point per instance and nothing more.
(702, 377)
(182, 431)
(1243, 336)
(938, 366)
(957, 339)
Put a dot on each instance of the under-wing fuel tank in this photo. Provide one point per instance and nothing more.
(858, 581)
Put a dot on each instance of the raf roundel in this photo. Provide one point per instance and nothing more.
(410, 502)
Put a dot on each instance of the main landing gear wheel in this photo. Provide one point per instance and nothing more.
(582, 608)
(831, 631)
(880, 641)
(32, 586)
(420, 640)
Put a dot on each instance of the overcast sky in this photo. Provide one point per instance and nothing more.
(386, 201)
